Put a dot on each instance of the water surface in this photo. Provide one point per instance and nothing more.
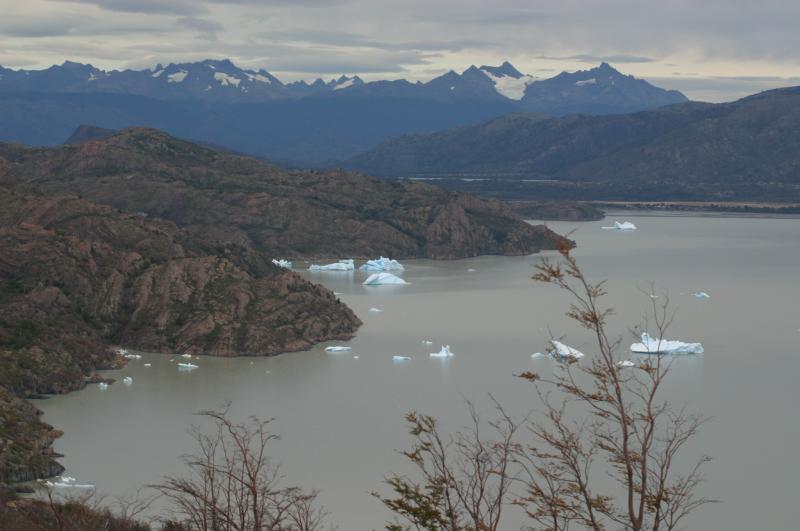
(340, 418)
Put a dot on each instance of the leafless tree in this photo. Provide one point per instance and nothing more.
(234, 486)
(602, 419)
(466, 477)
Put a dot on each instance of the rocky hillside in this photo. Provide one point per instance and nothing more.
(238, 205)
(745, 150)
(76, 277)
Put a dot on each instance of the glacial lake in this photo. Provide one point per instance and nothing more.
(341, 418)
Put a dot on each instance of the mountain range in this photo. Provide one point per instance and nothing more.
(252, 111)
(742, 150)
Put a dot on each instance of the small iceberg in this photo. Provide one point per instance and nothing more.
(426, 342)
(102, 386)
(66, 482)
(127, 381)
(701, 295)
(334, 350)
(380, 279)
(650, 345)
(625, 363)
(471, 270)
(562, 351)
(186, 366)
(537, 355)
(401, 358)
(375, 310)
(625, 225)
(341, 265)
(382, 264)
(286, 264)
(127, 355)
(187, 356)
(444, 353)
(148, 364)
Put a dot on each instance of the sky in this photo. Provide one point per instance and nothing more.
(712, 50)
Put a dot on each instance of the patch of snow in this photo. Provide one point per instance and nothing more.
(282, 263)
(650, 345)
(382, 264)
(227, 79)
(258, 77)
(452, 88)
(344, 84)
(341, 265)
(177, 77)
(562, 351)
(584, 82)
(334, 350)
(443, 353)
(376, 279)
(512, 88)
(92, 77)
(157, 73)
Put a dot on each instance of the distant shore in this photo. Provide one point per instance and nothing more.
(732, 207)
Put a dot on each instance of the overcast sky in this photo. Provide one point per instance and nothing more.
(713, 50)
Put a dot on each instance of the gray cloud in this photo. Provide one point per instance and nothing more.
(587, 58)
(205, 27)
(168, 7)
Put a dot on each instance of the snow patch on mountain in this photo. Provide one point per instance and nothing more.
(511, 87)
(583, 82)
(258, 77)
(177, 77)
(344, 84)
(227, 79)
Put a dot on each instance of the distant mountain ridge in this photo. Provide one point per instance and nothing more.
(305, 124)
(745, 149)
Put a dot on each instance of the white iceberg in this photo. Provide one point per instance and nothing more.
(127, 355)
(471, 270)
(66, 482)
(187, 356)
(148, 364)
(382, 264)
(401, 358)
(127, 381)
(338, 349)
(378, 279)
(701, 295)
(562, 351)
(375, 310)
(426, 342)
(625, 363)
(102, 386)
(650, 345)
(186, 366)
(341, 265)
(444, 353)
(536, 355)
(282, 263)
(625, 225)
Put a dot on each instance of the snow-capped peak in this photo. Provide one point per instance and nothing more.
(507, 80)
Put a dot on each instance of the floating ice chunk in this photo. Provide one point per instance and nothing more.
(625, 225)
(426, 342)
(148, 364)
(651, 345)
(376, 279)
(701, 295)
(186, 366)
(334, 350)
(375, 310)
(187, 356)
(444, 353)
(66, 482)
(102, 386)
(536, 355)
(282, 263)
(471, 270)
(401, 358)
(127, 355)
(382, 264)
(355, 357)
(127, 381)
(562, 351)
(341, 265)
(625, 363)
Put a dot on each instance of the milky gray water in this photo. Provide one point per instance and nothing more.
(340, 418)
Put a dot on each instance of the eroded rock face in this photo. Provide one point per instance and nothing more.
(227, 201)
(76, 277)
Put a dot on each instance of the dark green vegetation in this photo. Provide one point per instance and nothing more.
(557, 210)
(745, 150)
(157, 244)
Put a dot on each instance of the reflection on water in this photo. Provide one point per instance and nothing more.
(340, 414)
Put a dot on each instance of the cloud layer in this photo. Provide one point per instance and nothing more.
(711, 50)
